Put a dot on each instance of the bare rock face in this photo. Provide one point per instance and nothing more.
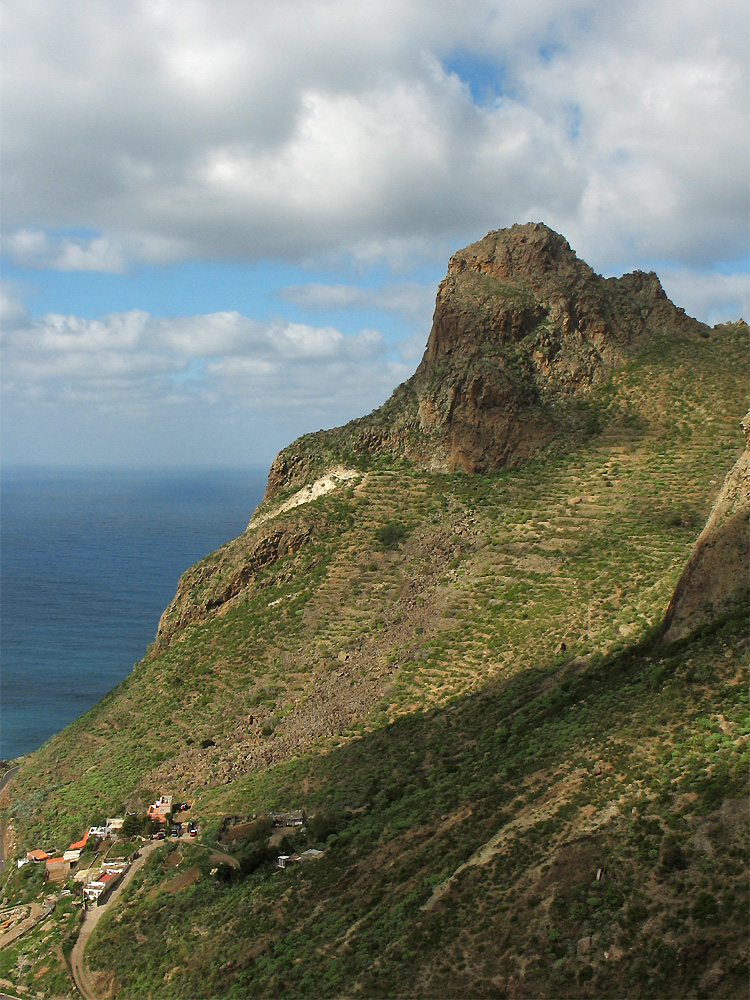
(212, 583)
(717, 574)
(522, 332)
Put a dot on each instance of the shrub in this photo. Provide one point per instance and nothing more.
(324, 823)
(390, 535)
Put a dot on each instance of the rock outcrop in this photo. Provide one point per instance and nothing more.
(717, 574)
(522, 332)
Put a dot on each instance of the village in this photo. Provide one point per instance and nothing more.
(91, 868)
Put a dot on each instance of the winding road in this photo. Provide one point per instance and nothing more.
(92, 917)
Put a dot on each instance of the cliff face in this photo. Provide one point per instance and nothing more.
(521, 333)
(717, 574)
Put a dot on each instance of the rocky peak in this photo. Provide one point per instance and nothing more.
(522, 332)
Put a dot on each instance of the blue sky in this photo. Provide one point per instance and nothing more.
(224, 222)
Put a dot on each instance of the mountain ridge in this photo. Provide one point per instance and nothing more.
(519, 785)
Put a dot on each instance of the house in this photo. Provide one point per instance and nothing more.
(312, 854)
(284, 860)
(117, 865)
(110, 828)
(295, 817)
(80, 844)
(58, 869)
(37, 855)
(158, 810)
(96, 891)
(72, 856)
(287, 859)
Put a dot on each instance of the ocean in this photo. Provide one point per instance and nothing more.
(88, 562)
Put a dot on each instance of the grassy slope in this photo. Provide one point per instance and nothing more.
(475, 727)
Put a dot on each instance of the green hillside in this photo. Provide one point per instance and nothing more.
(459, 680)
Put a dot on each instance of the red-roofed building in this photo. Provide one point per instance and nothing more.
(37, 855)
(96, 891)
(158, 810)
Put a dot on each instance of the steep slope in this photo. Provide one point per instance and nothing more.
(523, 331)
(459, 678)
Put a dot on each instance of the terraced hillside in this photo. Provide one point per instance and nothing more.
(518, 790)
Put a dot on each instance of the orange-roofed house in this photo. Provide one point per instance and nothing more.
(80, 844)
(37, 855)
(158, 810)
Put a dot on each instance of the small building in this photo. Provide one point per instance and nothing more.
(72, 856)
(312, 854)
(58, 869)
(158, 810)
(115, 865)
(284, 860)
(96, 892)
(295, 817)
(37, 855)
(80, 844)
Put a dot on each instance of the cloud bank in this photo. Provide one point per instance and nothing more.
(242, 130)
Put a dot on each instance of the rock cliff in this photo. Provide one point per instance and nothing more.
(717, 574)
(522, 332)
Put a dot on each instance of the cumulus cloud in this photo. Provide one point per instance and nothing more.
(245, 130)
(339, 134)
(710, 297)
(225, 359)
(13, 311)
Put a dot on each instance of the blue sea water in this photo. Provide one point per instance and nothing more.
(88, 561)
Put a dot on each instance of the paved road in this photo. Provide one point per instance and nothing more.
(7, 776)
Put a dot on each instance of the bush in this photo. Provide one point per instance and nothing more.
(390, 535)
(324, 823)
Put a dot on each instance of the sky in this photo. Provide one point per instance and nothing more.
(224, 223)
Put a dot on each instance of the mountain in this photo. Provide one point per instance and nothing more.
(523, 332)
(443, 637)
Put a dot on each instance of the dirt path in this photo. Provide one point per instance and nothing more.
(77, 962)
(91, 919)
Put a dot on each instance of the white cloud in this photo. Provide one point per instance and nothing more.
(13, 311)
(343, 134)
(710, 297)
(35, 248)
(246, 130)
(411, 300)
(226, 358)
